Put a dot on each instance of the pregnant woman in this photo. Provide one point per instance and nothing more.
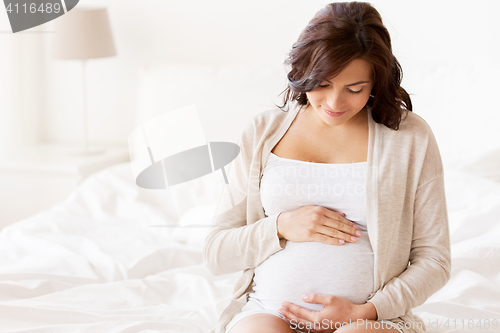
(336, 212)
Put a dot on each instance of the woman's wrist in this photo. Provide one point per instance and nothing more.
(367, 311)
(280, 236)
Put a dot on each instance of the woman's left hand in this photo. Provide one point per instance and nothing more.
(336, 312)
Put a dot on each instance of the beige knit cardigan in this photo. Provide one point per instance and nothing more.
(406, 213)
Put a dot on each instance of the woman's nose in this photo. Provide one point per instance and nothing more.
(334, 101)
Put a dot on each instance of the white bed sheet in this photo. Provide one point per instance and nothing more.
(93, 263)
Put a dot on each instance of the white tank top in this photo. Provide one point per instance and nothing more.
(314, 267)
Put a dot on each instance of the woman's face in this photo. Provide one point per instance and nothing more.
(346, 94)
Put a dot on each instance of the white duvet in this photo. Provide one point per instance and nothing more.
(94, 263)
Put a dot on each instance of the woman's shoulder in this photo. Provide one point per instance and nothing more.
(412, 125)
(268, 121)
(421, 135)
(414, 133)
(271, 116)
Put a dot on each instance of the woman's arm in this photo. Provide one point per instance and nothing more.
(235, 244)
(367, 311)
(238, 246)
(430, 255)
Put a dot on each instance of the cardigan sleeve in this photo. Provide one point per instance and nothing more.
(228, 250)
(430, 255)
(237, 244)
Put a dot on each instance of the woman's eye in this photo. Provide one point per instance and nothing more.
(351, 91)
(355, 91)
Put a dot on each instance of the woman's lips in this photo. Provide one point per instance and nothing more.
(333, 114)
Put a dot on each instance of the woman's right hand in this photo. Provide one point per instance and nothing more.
(316, 224)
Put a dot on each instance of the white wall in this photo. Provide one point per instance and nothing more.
(21, 91)
(7, 117)
(448, 50)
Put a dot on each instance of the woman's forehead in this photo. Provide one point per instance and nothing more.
(356, 70)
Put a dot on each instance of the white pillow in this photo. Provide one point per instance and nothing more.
(226, 97)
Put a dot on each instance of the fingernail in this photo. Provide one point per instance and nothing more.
(305, 297)
(341, 241)
(353, 238)
(355, 226)
(358, 233)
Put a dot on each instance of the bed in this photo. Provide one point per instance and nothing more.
(104, 259)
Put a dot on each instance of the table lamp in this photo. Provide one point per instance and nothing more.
(82, 34)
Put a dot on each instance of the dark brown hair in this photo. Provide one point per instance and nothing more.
(338, 34)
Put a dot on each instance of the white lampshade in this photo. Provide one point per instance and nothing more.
(83, 33)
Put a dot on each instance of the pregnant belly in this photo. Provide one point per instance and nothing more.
(313, 267)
